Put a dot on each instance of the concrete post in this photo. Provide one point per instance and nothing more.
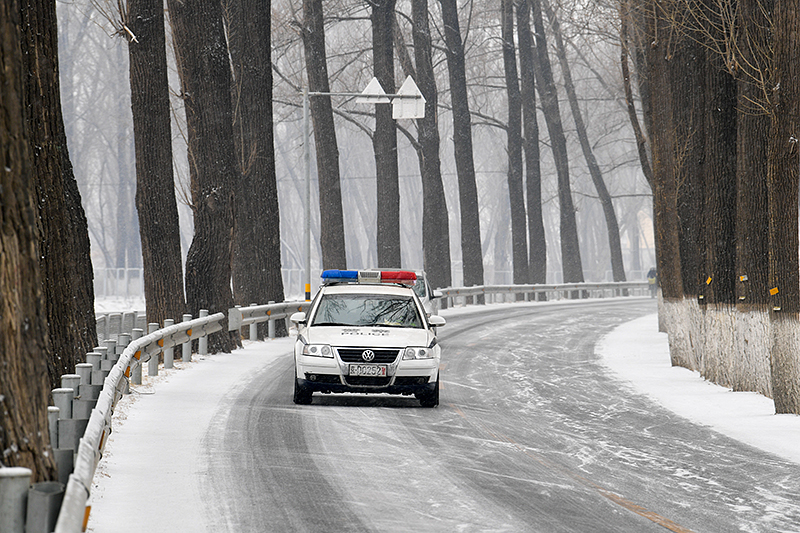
(169, 353)
(71, 381)
(52, 424)
(14, 484)
(152, 365)
(84, 370)
(62, 398)
(111, 349)
(44, 503)
(186, 354)
(202, 342)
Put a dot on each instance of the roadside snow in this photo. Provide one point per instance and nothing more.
(638, 354)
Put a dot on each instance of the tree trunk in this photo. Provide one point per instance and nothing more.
(24, 384)
(537, 244)
(659, 117)
(384, 141)
(570, 250)
(331, 218)
(519, 239)
(471, 254)
(782, 181)
(719, 220)
(63, 230)
(687, 76)
(752, 220)
(204, 69)
(625, 45)
(257, 238)
(435, 222)
(159, 228)
(612, 226)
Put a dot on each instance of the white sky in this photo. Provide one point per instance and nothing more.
(150, 478)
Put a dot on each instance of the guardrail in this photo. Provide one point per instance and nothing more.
(239, 317)
(74, 513)
(528, 292)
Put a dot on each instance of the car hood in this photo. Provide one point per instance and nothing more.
(376, 337)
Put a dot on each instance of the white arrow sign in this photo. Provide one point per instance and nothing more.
(409, 107)
(372, 94)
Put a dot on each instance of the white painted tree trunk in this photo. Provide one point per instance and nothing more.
(753, 342)
(785, 364)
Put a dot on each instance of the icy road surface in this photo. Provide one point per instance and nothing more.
(533, 434)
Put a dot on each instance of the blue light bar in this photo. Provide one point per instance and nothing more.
(332, 276)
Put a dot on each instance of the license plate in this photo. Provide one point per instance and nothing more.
(368, 370)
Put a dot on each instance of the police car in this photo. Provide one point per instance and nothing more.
(367, 332)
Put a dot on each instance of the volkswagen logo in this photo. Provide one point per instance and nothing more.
(367, 355)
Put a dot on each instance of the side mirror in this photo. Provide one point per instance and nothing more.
(436, 321)
(298, 318)
(437, 294)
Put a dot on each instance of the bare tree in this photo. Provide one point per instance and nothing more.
(752, 206)
(257, 245)
(782, 182)
(435, 223)
(64, 240)
(384, 141)
(537, 255)
(156, 204)
(332, 237)
(24, 384)
(612, 227)
(472, 256)
(570, 249)
(519, 241)
(204, 68)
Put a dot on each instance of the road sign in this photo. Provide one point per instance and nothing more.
(372, 94)
(409, 107)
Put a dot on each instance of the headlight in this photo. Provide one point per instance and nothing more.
(418, 353)
(317, 350)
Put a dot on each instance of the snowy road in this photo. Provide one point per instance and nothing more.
(532, 434)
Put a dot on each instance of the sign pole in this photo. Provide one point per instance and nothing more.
(307, 170)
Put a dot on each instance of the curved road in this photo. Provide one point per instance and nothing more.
(532, 434)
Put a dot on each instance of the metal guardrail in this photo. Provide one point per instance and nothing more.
(74, 512)
(239, 317)
(529, 292)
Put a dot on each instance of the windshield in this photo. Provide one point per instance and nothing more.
(367, 310)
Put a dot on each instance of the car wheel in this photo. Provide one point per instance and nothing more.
(302, 396)
(430, 399)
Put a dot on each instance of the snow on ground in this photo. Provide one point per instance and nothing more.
(638, 354)
(147, 433)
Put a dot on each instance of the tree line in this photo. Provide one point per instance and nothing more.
(714, 82)
(719, 90)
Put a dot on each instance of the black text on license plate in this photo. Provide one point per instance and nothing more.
(368, 370)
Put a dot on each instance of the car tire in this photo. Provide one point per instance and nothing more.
(302, 396)
(430, 399)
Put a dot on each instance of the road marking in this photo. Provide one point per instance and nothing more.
(616, 498)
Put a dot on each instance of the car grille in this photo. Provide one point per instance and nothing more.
(382, 355)
(367, 381)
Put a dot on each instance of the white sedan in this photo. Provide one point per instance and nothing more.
(367, 332)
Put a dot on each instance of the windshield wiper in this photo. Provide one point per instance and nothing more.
(330, 324)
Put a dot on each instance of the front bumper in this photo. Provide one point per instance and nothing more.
(332, 376)
(329, 383)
